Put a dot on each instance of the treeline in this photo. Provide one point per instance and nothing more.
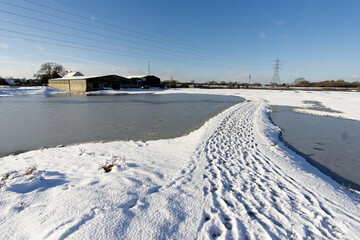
(232, 84)
(327, 84)
(177, 84)
(3, 81)
(20, 81)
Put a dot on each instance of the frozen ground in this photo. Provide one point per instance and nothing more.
(230, 179)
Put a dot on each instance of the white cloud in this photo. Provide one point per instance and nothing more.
(314, 64)
(279, 23)
(18, 69)
(262, 35)
(355, 77)
(2, 57)
(4, 45)
(93, 18)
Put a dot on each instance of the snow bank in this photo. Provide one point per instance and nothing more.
(17, 91)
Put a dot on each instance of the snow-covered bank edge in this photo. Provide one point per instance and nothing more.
(24, 91)
(343, 103)
(272, 135)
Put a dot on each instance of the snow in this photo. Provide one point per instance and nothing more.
(230, 179)
(18, 91)
(73, 74)
(344, 102)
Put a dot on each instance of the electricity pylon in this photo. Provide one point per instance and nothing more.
(276, 78)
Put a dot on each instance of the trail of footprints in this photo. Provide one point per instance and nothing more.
(250, 197)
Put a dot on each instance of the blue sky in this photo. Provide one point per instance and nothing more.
(199, 40)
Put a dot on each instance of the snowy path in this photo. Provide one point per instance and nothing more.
(227, 180)
(232, 190)
(248, 196)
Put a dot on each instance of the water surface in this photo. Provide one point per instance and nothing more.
(330, 144)
(32, 122)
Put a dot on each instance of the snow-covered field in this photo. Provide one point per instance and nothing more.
(230, 179)
(20, 91)
(347, 103)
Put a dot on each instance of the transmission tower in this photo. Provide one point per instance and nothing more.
(276, 78)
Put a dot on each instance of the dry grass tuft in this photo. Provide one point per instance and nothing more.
(108, 166)
(29, 170)
(353, 191)
(81, 151)
(115, 161)
(5, 176)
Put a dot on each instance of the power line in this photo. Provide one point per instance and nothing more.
(94, 48)
(86, 31)
(87, 49)
(124, 28)
(101, 28)
(91, 39)
(85, 24)
(123, 53)
(104, 52)
(103, 35)
(112, 25)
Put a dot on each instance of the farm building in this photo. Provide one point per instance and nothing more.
(147, 81)
(76, 82)
(74, 74)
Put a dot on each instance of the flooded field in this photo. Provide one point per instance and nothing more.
(330, 144)
(32, 122)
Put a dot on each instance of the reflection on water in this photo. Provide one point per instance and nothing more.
(33, 122)
(331, 144)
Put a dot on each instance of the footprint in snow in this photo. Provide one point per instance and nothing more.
(130, 204)
(215, 232)
(153, 190)
(227, 222)
(206, 191)
(207, 217)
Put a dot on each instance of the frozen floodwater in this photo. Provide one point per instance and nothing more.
(33, 122)
(331, 144)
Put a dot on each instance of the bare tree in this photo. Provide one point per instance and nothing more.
(298, 80)
(49, 70)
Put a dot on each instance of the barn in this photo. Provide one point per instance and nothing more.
(147, 81)
(77, 82)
